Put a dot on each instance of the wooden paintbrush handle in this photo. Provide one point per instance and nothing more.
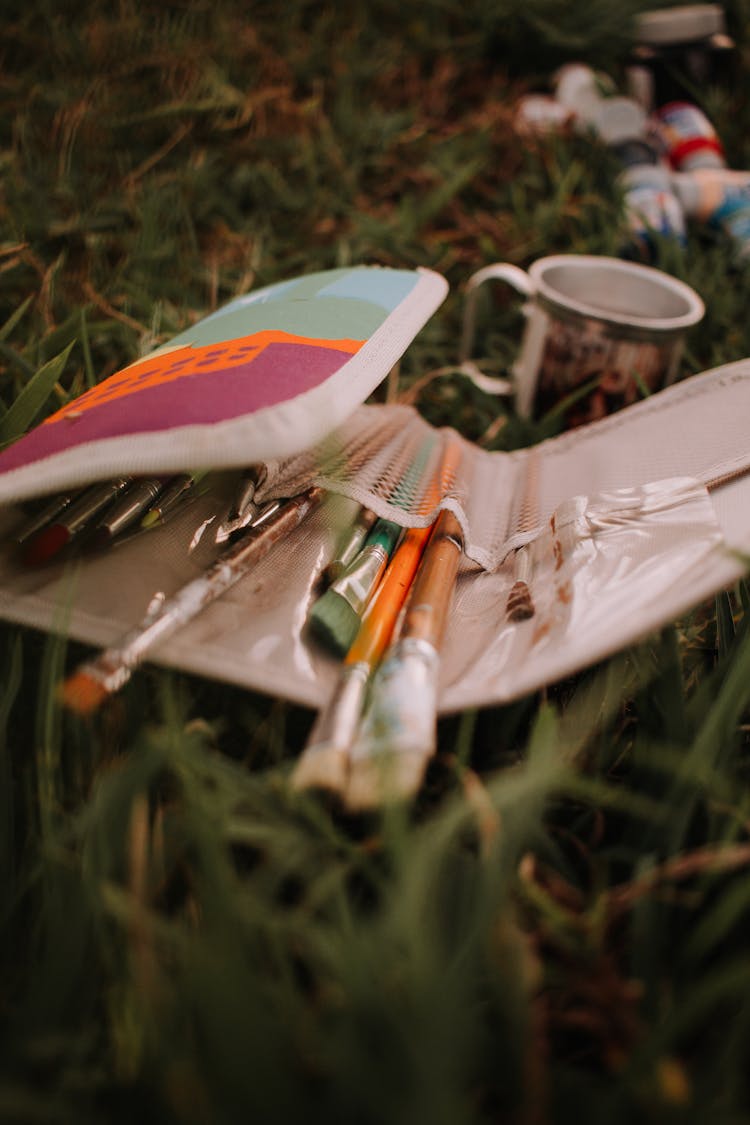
(430, 598)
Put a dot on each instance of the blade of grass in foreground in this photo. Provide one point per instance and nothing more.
(32, 398)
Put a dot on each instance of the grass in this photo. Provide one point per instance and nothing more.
(556, 931)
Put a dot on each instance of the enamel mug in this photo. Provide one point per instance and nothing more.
(600, 332)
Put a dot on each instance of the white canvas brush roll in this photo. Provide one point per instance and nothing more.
(633, 530)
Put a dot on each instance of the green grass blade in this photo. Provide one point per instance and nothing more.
(13, 319)
(32, 398)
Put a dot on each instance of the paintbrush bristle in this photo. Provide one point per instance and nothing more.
(82, 693)
(379, 779)
(520, 604)
(323, 768)
(334, 623)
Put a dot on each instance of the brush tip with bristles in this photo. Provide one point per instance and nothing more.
(520, 604)
(324, 768)
(381, 779)
(334, 623)
(81, 693)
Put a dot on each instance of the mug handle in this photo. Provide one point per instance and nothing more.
(521, 281)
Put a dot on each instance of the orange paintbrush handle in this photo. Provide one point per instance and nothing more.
(381, 615)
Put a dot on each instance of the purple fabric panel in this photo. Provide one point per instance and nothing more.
(278, 374)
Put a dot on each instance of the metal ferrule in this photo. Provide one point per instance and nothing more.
(359, 580)
(137, 499)
(231, 527)
(173, 493)
(46, 516)
(523, 564)
(244, 508)
(402, 714)
(164, 616)
(348, 552)
(264, 512)
(336, 725)
(86, 507)
(244, 498)
(113, 666)
(111, 673)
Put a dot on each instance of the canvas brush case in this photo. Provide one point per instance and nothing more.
(625, 523)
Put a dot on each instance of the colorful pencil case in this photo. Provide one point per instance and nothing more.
(624, 524)
(267, 375)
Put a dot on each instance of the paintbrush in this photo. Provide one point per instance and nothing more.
(244, 509)
(49, 511)
(324, 762)
(126, 511)
(172, 497)
(72, 521)
(99, 678)
(519, 605)
(398, 733)
(350, 545)
(336, 615)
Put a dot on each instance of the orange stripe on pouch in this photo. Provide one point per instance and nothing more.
(170, 364)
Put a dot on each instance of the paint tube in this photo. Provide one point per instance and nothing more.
(687, 138)
(653, 210)
(720, 198)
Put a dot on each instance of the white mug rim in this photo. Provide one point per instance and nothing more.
(695, 311)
